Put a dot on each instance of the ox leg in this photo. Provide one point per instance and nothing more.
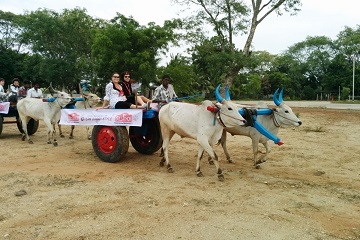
(50, 130)
(25, 135)
(223, 145)
(88, 132)
(199, 156)
(268, 150)
(72, 132)
(205, 145)
(255, 145)
(60, 131)
(54, 135)
(167, 135)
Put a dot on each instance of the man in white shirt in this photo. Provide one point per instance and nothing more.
(35, 92)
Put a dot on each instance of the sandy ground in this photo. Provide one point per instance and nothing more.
(308, 189)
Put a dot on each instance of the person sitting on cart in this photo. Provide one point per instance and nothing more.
(165, 92)
(35, 92)
(14, 91)
(115, 97)
(127, 88)
(3, 94)
(23, 89)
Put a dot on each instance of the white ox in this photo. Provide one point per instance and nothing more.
(282, 116)
(47, 111)
(197, 122)
(91, 100)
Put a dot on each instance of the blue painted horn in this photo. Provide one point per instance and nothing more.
(227, 93)
(217, 94)
(279, 100)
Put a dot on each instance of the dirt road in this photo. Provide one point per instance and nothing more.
(308, 189)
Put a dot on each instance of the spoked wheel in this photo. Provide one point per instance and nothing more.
(110, 143)
(147, 138)
(32, 126)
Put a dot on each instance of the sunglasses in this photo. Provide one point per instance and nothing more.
(116, 76)
(126, 76)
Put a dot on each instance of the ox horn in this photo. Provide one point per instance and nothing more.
(217, 94)
(52, 90)
(279, 100)
(227, 93)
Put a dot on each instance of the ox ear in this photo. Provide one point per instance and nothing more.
(279, 100)
(217, 94)
(227, 93)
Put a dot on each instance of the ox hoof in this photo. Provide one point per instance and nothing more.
(30, 142)
(62, 135)
(23, 138)
(221, 177)
(48, 142)
(170, 170)
(199, 174)
(230, 161)
(71, 137)
(89, 138)
(211, 162)
(257, 166)
(55, 144)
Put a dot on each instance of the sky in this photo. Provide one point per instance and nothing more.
(275, 34)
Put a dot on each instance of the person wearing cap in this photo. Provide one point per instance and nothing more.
(165, 92)
(35, 92)
(127, 88)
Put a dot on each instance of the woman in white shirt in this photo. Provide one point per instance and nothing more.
(114, 95)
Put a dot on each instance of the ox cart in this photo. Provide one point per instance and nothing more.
(8, 110)
(111, 141)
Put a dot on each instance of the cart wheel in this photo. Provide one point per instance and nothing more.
(1, 124)
(110, 143)
(147, 138)
(32, 126)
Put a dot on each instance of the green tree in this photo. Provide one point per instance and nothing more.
(124, 45)
(228, 18)
(62, 41)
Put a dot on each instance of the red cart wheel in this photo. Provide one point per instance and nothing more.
(110, 143)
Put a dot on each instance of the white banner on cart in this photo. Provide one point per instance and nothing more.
(107, 117)
(4, 107)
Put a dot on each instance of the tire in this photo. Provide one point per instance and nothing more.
(32, 126)
(110, 143)
(147, 138)
(1, 124)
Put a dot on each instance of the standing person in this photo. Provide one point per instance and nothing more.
(23, 89)
(3, 94)
(126, 86)
(165, 92)
(35, 92)
(114, 95)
